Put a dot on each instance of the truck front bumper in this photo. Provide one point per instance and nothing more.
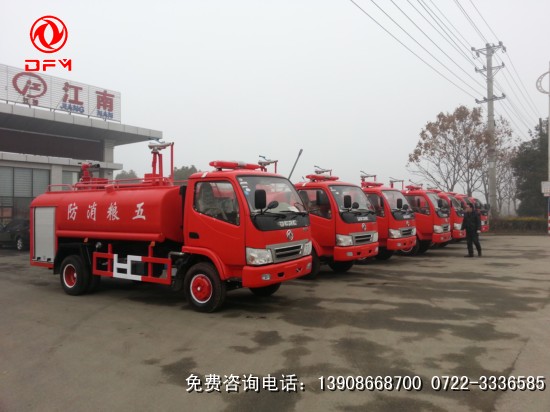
(258, 276)
(401, 243)
(459, 234)
(347, 253)
(441, 237)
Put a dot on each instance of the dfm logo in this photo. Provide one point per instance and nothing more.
(48, 34)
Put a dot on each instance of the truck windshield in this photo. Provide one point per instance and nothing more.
(287, 210)
(391, 197)
(358, 197)
(361, 208)
(455, 203)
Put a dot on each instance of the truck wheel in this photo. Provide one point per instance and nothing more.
(412, 251)
(424, 246)
(75, 276)
(203, 288)
(384, 254)
(315, 266)
(341, 266)
(266, 291)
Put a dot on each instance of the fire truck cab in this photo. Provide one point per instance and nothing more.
(396, 221)
(456, 214)
(483, 209)
(235, 226)
(343, 222)
(432, 219)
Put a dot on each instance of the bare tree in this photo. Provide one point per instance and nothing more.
(451, 150)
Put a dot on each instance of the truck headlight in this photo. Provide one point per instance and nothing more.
(344, 240)
(413, 233)
(258, 257)
(307, 249)
(438, 229)
(395, 233)
(375, 237)
(458, 226)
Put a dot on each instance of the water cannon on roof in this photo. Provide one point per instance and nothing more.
(266, 162)
(364, 183)
(321, 174)
(393, 181)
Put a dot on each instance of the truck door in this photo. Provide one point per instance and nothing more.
(216, 222)
(321, 217)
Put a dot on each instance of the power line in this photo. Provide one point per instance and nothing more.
(423, 48)
(410, 50)
(528, 99)
(436, 45)
(466, 46)
(471, 21)
(445, 36)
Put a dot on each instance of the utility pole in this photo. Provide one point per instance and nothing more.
(491, 70)
(546, 185)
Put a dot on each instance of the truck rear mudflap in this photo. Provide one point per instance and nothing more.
(441, 237)
(401, 243)
(343, 254)
(259, 276)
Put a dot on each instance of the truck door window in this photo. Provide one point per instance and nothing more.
(311, 196)
(377, 203)
(419, 204)
(218, 200)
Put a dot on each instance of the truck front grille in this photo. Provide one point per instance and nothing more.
(406, 231)
(362, 237)
(446, 228)
(287, 251)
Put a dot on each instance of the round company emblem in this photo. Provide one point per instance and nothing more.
(289, 234)
(29, 85)
(364, 227)
(49, 34)
(408, 223)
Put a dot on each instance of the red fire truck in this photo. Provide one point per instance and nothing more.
(396, 222)
(432, 219)
(235, 226)
(456, 214)
(476, 204)
(343, 222)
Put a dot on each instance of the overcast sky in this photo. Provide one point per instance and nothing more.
(237, 79)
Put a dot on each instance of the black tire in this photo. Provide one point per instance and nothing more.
(203, 288)
(341, 267)
(20, 244)
(315, 266)
(384, 254)
(424, 246)
(74, 276)
(412, 251)
(266, 291)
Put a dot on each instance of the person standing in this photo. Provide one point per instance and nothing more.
(472, 224)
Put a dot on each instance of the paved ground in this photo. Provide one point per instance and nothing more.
(136, 347)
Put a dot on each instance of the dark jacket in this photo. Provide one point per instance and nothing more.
(471, 222)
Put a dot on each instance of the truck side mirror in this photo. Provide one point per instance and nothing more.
(440, 203)
(400, 203)
(260, 199)
(347, 202)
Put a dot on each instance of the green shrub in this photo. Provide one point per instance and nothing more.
(519, 225)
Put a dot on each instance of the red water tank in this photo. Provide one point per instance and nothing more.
(132, 213)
